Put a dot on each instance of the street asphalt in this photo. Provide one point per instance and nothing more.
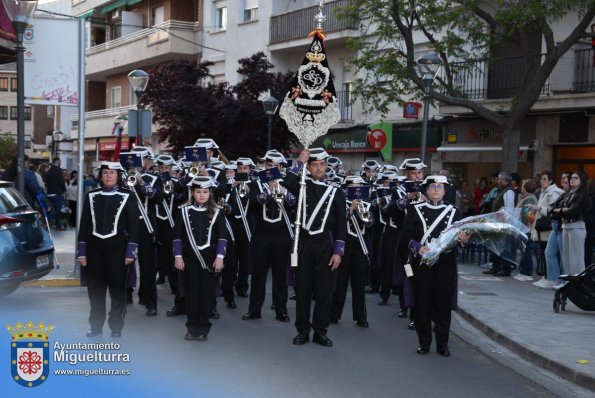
(518, 316)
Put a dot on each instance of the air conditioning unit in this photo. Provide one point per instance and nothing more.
(117, 14)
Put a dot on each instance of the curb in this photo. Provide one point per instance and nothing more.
(60, 282)
(574, 376)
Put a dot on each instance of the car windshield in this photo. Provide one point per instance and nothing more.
(11, 200)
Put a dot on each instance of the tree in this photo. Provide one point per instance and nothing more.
(8, 150)
(187, 108)
(463, 34)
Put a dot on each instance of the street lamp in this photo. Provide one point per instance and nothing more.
(19, 12)
(57, 136)
(270, 105)
(427, 67)
(138, 80)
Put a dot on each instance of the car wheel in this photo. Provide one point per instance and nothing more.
(5, 290)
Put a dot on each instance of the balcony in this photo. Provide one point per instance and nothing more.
(160, 43)
(98, 123)
(584, 73)
(297, 24)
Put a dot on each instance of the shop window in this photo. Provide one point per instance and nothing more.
(574, 127)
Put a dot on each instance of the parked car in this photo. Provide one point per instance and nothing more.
(26, 248)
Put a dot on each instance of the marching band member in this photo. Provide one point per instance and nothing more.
(377, 192)
(322, 244)
(369, 170)
(242, 222)
(356, 260)
(229, 273)
(435, 285)
(199, 247)
(272, 239)
(107, 243)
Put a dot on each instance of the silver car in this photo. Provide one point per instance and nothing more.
(26, 249)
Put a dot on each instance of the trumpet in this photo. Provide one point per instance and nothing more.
(132, 178)
(223, 205)
(278, 195)
(194, 170)
(243, 189)
(362, 213)
(168, 187)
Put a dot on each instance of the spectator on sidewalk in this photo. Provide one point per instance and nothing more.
(32, 191)
(527, 201)
(72, 196)
(482, 189)
(55, 192)
(35, 171)
(465, 200)
(548, 196)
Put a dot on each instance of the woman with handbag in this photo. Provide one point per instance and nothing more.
(551, 239)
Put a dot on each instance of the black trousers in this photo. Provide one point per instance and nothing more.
(200, 291)
(228, 275)
(353, 269)
(434, 288)
(147, 264)
(375, 270)
(106, 270)
(165, 256)
(389, 244)
(269, 250)
(313, 279)
(242, 255)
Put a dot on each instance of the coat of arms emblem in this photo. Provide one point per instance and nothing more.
(29, 348)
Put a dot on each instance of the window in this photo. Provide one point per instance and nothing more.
(157, 15)
(3, 113)
(3, 83)
(220, 18)
(250, 10)
(116, 97)
(14, 113)
(13, 84)
(50, 111)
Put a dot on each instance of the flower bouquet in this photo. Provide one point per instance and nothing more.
(500, 232)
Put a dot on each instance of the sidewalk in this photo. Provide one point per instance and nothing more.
(520, 317)
(516, 315)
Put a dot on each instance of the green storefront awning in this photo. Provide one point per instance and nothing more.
(406, 140)
(87, 14)
(113, 6)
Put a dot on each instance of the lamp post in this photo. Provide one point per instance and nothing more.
(270, 105)
(427, 67)
(138, 79)
(57, 136)
(19, 12)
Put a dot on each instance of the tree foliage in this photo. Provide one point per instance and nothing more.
(8, 150)
(187, 108)
(464, 34)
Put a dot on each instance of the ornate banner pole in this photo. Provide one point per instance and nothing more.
(310, 108)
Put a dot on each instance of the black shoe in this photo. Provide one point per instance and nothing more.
(190, 336)
(151, 312)
(322, 340)
(231, 304)
(421, 350)
(383, 302)
(443, 351)
(214, 315)
(372, 290)
(251, 315)
(201, 337)
(363, 324)
(292, 297)
(93, 333)
(402, 313)
(283, 318)
(242, 293)
(116, 334)
(502, 273)
(301, 339)
(174, 311)
(491, 271)
(160, 280)
(334, 320)
(411, 325)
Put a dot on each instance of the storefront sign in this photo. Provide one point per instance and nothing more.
(354, 141)
(380, 138)
(477, 133)
(111, 145)
(411, 110)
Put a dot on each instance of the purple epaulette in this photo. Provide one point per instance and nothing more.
(290, 198)
(402, 203)
(297, 167)
(148, 190)
(262, 197)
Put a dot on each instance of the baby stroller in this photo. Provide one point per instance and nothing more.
(580, 289)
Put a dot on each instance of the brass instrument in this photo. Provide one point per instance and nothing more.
(132, 178)
(194, 170)
(223, 205)
(362, 213)
(168, 187)
(278, 195)
(243, 189)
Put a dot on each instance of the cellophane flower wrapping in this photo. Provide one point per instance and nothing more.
(500, 232)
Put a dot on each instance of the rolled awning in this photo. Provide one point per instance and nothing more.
(87, 14)
(475, 148)
(118, 4)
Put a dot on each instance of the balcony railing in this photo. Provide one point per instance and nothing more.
(297, 24)
(584, 74)
(344, 98)
(153, 34)
(497, 78)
